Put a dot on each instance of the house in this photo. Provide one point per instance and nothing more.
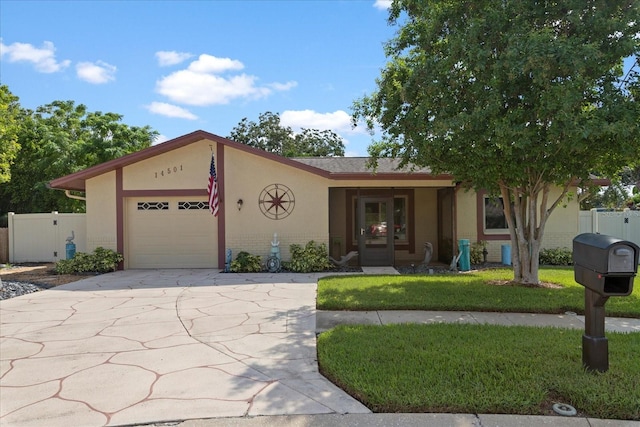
(152, 206)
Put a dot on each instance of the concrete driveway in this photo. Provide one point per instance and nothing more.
(137, 347)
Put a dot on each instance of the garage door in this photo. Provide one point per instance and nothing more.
(170, 232)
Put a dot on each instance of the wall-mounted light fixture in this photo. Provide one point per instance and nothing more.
(240, 203)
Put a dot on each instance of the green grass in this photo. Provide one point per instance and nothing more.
(462, 368)
(469, 291)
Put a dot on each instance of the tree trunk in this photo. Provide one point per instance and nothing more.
(526, 220)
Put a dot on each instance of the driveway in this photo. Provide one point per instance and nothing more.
(137, 347)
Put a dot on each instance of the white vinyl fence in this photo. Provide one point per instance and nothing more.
(43, 237)
(623, 225)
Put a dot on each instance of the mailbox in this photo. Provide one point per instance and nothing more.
(605, 264)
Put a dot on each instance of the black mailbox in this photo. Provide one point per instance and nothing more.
(605, 264)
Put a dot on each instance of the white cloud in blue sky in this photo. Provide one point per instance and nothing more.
(209, 81)
(382, 4)
(169, 110)
(98, 72)
(43, 58)
(168, 58)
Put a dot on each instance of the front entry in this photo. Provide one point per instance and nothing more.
(375, 231)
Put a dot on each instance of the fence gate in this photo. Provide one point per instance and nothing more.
(623, 225)
(43, 237)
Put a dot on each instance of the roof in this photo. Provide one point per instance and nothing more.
(328, 167)
(336, 165)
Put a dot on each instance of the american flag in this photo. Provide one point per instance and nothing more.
(212, 188)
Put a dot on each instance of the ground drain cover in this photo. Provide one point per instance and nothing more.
(564, 409)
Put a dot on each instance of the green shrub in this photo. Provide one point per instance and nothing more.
(476, 252)
(100, 261)
(313, 257)
(246, 263)
(557, 256)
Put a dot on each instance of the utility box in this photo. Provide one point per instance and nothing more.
(605, 264)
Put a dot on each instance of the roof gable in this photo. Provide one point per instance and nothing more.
(329, 167)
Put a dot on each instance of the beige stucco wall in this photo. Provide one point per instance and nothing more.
(246, 175)
(183, 168)
(101, 212)
(561, 227)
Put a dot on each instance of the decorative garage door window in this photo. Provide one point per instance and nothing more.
(153, 206)
(276, 201)
(192, 206)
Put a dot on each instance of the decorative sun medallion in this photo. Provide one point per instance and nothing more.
(276, 201)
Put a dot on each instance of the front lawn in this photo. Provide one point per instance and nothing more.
(477, 291)
(461, 368)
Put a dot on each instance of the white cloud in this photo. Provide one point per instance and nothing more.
(382, 4)
(97, 73)
(168, 110)
(338, 121)
(160, 139)
(166, 58)
(201, 83)
(283, 86)
(212, 64)
(43, 59)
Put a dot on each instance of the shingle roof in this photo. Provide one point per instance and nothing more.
(337, 165)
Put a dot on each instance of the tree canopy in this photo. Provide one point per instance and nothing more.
(270, 135)
(511, 97)
(58, 139)
(9, 125)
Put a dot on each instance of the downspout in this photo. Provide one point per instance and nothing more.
(66, 193)
(72, 196)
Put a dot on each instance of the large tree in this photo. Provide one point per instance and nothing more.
(58, 139)
(10, 112)
(270, 135)
(512, 97)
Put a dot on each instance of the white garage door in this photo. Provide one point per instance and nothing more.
(170, 232)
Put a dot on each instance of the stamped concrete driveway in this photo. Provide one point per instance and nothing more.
(137, 347)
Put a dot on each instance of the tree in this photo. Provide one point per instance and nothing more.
(269, 135)
(58, 139)
(10, 112)
(513, 97)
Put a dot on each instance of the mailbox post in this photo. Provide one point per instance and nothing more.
(605, 266)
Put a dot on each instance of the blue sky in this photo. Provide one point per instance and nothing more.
(179, 66)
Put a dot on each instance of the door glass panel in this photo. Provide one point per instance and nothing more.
(400, 219)
(375, 223)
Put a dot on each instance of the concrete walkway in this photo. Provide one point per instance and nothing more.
(147, 346)
(328, 319)
(143, 347)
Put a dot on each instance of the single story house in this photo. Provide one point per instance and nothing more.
(152, 206)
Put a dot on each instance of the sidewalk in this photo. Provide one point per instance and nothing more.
(328, 319)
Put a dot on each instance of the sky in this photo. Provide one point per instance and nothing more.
(181, 66)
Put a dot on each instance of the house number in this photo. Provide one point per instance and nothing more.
(169, 171)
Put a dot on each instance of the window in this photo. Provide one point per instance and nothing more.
(192, 206)
(494, 218)
(153, 206)
(400, 218)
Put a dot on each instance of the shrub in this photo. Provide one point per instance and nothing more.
(476, 252)
(313, 257)
(557, 256)
(246, 263)
(100, 261)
